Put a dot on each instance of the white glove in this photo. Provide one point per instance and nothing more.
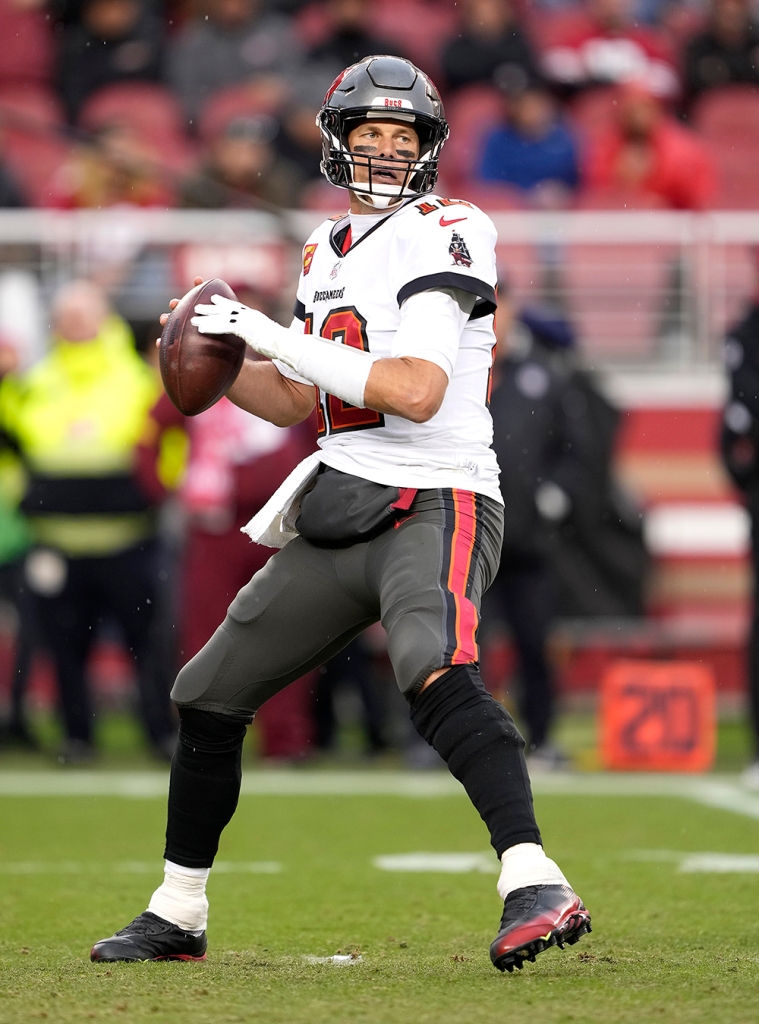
(226, 316)
(337, 369)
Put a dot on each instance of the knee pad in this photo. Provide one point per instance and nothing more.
(457, 715)
(210, 733)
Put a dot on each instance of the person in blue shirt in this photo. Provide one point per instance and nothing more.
(533, 148)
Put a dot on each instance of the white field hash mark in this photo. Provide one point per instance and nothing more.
(446, 863)
(700, 863)
(130, 867)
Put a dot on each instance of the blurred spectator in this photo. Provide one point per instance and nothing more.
(113, 167)
(299, 140)
(604, 46)
(11, 195)
(647, 157)
(352, 668)
(235, 42)
(235, 463)
(597, 556)
(740, 453)
(491, 47)
(243, 169)
(727, 51)
(14, 543)
(539, 474)
(76, 418)
(349, 38)
(534, 150)
(114, 41)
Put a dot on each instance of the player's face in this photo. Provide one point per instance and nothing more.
(384, 142)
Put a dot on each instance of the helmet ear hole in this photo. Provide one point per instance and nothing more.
(378, 87)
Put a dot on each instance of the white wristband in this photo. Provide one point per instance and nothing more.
(335, 368)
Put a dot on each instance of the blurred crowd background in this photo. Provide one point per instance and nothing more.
(614, 142)
(211, 103)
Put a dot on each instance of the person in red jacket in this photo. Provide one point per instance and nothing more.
(646, 158)
(601, 45)
(235, 462)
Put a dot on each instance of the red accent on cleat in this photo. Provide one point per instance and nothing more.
(534, 919)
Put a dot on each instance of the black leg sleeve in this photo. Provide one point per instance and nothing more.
(479, 742)
(205, 785)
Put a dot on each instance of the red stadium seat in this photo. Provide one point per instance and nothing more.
(237, 101)
(728, 119)
(320, 195)
(28, 53)
(490, 196)
(35, 141)
(151, 111)
(472, 113)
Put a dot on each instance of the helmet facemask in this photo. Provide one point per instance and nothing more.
(339, 164)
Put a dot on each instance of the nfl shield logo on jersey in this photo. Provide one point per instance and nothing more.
(459, 251)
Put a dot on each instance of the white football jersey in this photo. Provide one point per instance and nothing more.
(353, 294)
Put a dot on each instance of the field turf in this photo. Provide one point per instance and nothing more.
(667, 945)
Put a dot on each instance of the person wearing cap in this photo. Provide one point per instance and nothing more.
(644, 157)
(242, 169)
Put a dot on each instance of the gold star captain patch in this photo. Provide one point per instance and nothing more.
(308, 257)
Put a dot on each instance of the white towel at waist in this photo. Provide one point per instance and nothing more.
(274, 524)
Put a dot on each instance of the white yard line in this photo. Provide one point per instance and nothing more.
(718, 791)
(129, 867)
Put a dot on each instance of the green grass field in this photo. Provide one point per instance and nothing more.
(667, 945)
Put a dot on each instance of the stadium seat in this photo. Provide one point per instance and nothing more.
(151, 111)
(728, 119)
(471, 114)
(616, 197)
(320, 195)
(36, 144)
(28, 53)
(489, 196)
(237, 101)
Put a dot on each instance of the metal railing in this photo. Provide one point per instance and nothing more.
(646, 289)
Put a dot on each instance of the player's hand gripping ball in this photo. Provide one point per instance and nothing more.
(198, 369)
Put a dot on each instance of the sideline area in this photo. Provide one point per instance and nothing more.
(721, 791)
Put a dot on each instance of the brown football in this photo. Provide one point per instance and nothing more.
(198, 369)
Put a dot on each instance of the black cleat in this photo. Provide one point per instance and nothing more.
(149, 937)
(535, 918)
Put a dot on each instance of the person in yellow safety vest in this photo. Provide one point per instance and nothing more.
(76, 418)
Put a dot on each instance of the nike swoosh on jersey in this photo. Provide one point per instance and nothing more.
(447, 223)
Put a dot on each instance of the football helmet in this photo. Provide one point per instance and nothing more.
(388, 89)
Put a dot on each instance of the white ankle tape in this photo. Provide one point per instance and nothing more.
(526, 864)
(181, 899)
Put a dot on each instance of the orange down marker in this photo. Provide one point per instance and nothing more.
(658, 716)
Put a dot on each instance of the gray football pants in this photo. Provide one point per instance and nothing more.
(422, 578)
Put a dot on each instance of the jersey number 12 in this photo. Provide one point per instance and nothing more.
(347, 326)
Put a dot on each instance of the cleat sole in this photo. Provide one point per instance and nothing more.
(570, 932)
(151, 960)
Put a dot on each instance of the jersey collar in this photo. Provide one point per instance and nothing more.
(340, 235)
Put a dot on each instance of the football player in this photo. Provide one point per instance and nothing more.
(397, 518)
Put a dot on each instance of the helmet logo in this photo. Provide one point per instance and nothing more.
(392, 103)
